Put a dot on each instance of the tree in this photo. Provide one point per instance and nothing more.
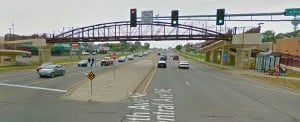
(280, 36)
(146, 46)
(178, 47)
(268, 36)
(137, 45)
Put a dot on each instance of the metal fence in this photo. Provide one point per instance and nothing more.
(290, 60)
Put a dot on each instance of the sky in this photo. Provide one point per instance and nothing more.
(47, 16)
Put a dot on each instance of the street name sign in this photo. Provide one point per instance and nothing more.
(292, 12)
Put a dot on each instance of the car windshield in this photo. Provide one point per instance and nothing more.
(106, 58)
(50, 67)
(46, 64)
(84, 61)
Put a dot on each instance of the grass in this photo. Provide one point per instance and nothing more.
(33, 65)
(293, 73)
(287, 83)
(21, 66)
(196, 55)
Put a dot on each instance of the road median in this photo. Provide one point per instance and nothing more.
(106, 88)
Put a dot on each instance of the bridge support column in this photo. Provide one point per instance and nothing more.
(242, 58)
(207, 56)
(45, 53)
(215, 56)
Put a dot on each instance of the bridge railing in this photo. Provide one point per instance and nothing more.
(13, 37)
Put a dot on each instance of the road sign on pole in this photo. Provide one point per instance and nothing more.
(91, 76)
(292, 12)
(114, 56)
(147, 17)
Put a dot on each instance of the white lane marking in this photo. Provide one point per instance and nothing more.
(32, 87)
(149, 81)
(187, 83)
(257, 86)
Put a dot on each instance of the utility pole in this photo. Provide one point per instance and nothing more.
(242, 53)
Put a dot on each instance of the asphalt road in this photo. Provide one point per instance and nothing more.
(198, 94)
(38, 99)
(206, 94)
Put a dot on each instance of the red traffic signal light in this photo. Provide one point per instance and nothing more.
(133, 17)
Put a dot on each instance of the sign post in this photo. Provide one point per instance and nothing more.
(91, 76)
(114, 56)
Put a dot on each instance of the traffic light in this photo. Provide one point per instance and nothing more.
(133, 17)
(220, 16)
(174, 18)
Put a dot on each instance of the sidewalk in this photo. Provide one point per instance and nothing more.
(252, 72)
(107, 89)
(232, 70)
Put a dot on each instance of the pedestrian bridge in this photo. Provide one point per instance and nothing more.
(121, 31)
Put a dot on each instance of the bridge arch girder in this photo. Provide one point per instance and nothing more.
(121, 31)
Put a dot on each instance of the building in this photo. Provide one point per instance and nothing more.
(289, 46)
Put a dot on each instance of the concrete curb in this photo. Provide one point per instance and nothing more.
(141, 86)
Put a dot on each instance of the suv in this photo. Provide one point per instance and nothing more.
(107, 61)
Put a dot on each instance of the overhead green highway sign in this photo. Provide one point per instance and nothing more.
(292, 12)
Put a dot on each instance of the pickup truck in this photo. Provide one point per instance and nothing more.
(107, 61)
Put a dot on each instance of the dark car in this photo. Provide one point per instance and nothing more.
(163, 58)
(82, 63)
(52, 71)
(175, 57)
(44, 65)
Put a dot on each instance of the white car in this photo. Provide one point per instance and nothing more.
(130, 57)
(162, 64)
(184, 64)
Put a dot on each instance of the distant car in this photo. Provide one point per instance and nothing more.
(107, 61)
(162, 64)
(140, 54)
(26, 55)
(135, 55)
(122, 59)
(163, 58)
(83, 63)
(175, 57)
(130, 57)
(94, 53)
(52, 71)
(184, 64)
(85, 53)
(43, 66)
(158, 53)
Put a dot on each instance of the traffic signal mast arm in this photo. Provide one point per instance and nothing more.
(231, 17)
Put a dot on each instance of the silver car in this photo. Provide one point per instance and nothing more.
(52, 71)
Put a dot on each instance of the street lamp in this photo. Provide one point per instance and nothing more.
(259, 26)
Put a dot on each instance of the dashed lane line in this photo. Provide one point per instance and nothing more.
(187, 83)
